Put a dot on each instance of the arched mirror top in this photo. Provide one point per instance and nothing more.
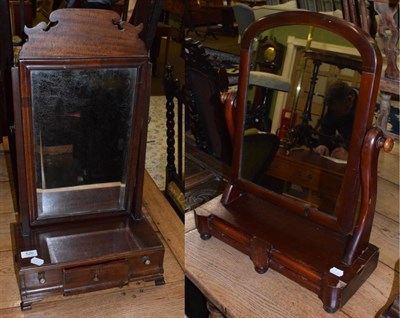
(293, 69)
(371, 60)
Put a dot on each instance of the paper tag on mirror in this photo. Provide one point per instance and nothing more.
(28, 254)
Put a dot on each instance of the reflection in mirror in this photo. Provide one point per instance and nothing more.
(82, 122)
(301, 100)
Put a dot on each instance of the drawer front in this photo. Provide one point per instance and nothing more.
(148, 265)
(95, 277)
(41, 279)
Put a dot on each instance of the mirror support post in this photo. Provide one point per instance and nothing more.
(374, 140)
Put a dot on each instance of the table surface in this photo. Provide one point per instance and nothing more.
(227, 278)
(138, 299)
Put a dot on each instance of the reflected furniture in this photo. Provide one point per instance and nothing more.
(320, 179)
(81, 99)
(327, 252)
(303, 132)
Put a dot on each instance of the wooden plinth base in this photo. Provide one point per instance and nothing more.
(311, 256)
(83, 257)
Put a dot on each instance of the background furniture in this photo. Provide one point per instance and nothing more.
(148, 13)
(204, 175)
(163, 31)
(6, 62)
(174, 178)
(208, 13)
(9, 43)
(244, 15)
(205, 79)
(387, 33)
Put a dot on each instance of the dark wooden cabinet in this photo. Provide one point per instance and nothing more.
(81, 98)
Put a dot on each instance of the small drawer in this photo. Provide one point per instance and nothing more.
(146, 265)
(41, 279)
(89, 278)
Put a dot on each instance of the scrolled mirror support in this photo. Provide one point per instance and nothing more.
(373, 142)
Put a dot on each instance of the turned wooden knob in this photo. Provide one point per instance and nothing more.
(386, 144)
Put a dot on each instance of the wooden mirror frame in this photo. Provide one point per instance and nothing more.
(134, 161)
(330, 256)
(369, 82)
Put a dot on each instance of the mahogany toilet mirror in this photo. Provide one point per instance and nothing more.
(305, 215)
(81, 95)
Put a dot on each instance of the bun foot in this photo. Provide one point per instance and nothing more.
(330, 310)
(205, 236)
(260, 269)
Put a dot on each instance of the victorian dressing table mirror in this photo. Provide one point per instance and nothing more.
(81, 93)
(289, 208)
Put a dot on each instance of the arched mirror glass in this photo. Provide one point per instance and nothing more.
(300, 104)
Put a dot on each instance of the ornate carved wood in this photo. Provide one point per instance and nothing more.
(205, 79)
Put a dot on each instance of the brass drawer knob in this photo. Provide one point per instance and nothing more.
(96, 277)
(146, 260)
(41, 278)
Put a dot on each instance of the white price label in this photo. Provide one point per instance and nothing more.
(29, 254)
(37, 261)
(336, 271)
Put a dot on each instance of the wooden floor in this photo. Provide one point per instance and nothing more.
(226, 276)
(138, 299)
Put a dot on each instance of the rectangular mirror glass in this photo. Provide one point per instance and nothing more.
(82, 121)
